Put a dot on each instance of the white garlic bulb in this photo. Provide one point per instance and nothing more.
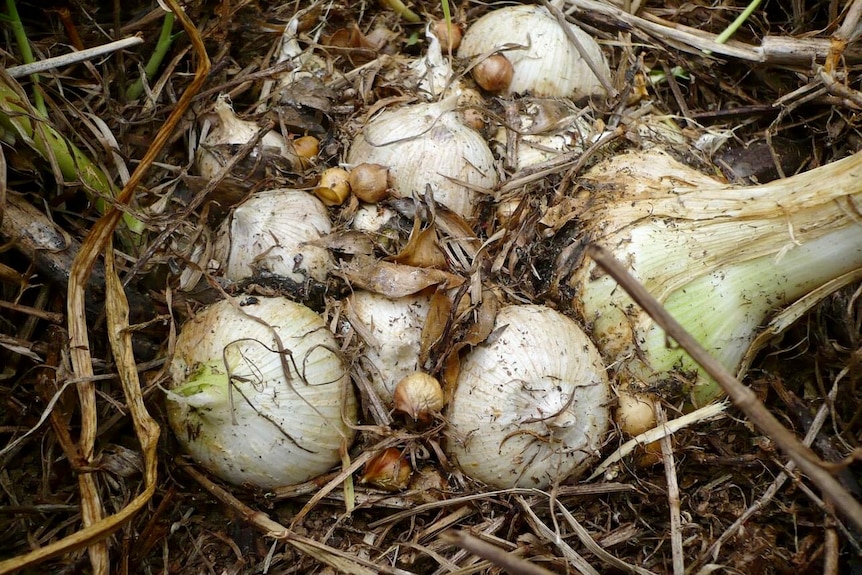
(530, 404)
(268, 233)
(546, 129)
(230, 132)
(250, 414)
(392, 331)
(426, 144)
(546, 62)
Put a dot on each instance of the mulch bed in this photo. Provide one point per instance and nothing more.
(783, 96)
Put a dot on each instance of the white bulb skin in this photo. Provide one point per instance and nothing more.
(566, 74)
(265, 430)
(395, 326)
(270, 232)
(427, 145)
(530, 406)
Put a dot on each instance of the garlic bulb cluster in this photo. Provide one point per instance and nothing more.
(231, 132)
(428, 145)
(268, 233)
(530, 404)
(392, 331)
(719, 258)
(252, 414)
(545, 61)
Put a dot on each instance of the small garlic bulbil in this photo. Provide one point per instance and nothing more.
(419, 396)
(369, 182)
(494, 73)
(250, 414)
(268, 232)
(428, 145)
(545, 62)
(334, 186)
(388, 470)
(229, 133)
(530, 403)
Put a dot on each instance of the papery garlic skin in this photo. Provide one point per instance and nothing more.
(530, 404)
(394, 330)
(427, 145)
(719, 258)
(548, 64)
(214, 149)
(249, 414)
(268, 232)
(547, 128)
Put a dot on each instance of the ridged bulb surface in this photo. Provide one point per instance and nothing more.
(548, 64)
(394, 333)
(530, 405)
(250, 414)
(269, 233)
(427, 145)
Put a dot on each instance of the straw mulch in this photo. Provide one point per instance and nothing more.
(91, 479)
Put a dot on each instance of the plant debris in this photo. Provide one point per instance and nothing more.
(107, 232)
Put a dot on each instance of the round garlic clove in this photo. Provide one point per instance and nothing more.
(230, 132)
(427, 145)
(448, 33)
(250, 414)
(306, 149)
(548, 64)
(334, 186)
(392, 331)
(369, 182)
(530, 404)
(419, 396)
(494, 73)
(268, 233)
(388, 470)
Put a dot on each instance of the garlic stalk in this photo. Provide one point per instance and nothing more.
(428, 145)
(546, 63)
(246, 411)
(721, 259)
(229, 133)
(268, 233)
(530, 403)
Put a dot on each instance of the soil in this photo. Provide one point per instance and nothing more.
(72, 367)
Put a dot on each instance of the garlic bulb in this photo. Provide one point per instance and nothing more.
(250, 414)
(426, 144)
(545, 62)
(546, 128)
(530, 403)
(392, 330)
(230, 132)
(267, 233)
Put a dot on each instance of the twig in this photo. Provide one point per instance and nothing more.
(742, 397)
(499, 557)
(672, 496)
(705, 413)
(595, 548)
(573, 557)
(73, 58)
